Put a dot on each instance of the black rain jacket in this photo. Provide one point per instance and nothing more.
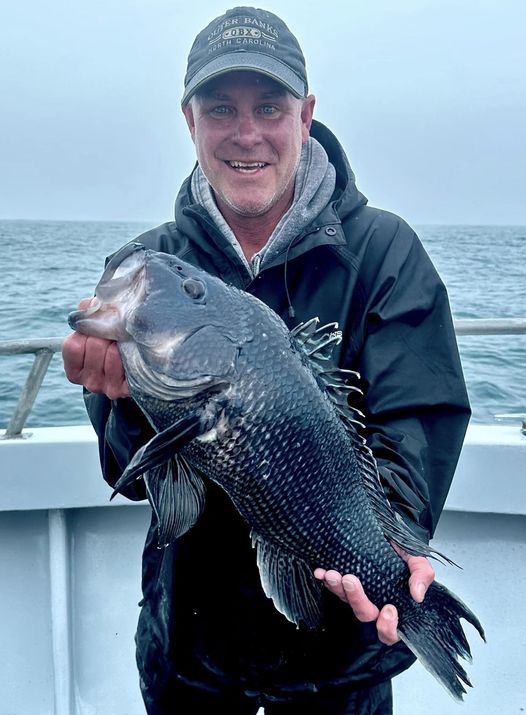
(204, 617)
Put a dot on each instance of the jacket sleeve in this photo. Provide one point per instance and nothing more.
(121, 428)
(416, 403)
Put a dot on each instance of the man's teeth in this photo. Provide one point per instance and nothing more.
(247, 165)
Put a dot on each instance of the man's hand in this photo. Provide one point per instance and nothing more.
(349, 589)
(94, 363)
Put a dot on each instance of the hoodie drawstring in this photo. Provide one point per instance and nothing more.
(292, 312)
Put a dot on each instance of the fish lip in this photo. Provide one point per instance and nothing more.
(74, 317)
(78, 315)
(107, 322)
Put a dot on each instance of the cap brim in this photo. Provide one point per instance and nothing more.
(254, 61)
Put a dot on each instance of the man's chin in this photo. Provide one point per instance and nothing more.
(250, 209)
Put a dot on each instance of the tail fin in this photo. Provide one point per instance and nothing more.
(434, 633)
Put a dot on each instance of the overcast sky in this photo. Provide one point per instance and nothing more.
(427, 96)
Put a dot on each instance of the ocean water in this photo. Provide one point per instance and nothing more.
(48, 266)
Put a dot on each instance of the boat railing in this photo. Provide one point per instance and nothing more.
(44, 348)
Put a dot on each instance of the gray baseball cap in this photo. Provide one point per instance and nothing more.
(246, 38)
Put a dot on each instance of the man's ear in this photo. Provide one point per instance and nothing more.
(188, 112)
(307, 112)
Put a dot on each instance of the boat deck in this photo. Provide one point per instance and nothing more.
(70, 565)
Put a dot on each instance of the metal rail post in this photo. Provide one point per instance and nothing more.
(43, 350)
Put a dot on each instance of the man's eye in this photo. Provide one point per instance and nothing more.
(220, 110)
(268, 109)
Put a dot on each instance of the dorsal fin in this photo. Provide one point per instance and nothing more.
(316, 345)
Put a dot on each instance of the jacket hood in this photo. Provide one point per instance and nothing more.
(346, 196)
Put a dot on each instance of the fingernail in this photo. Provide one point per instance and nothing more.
(420, 592)
(332, 581)
(349, 585)
(389, 613)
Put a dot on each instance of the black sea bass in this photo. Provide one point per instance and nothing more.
(237, 398)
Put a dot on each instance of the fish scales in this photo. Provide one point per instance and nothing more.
(281, 496)
(237, 398)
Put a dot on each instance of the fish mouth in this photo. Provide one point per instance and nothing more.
(101, 320)
(78, 315)
(121, 273)
(120, 289)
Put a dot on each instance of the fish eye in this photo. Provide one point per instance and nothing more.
(194, 288)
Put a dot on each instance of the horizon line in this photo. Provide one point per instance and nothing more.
(155, 222)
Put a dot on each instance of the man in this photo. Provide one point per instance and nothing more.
(273, 208)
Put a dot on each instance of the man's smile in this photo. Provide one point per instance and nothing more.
(246, 167)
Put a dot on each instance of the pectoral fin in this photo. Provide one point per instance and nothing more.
(177, 496)
(161, 448)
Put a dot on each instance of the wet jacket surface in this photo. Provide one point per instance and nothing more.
(205, 618)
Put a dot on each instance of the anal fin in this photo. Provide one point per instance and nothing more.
(289, 582)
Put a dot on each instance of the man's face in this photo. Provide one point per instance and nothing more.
(248, 132)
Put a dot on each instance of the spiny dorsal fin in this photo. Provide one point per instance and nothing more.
(316, 344)
(303, 331)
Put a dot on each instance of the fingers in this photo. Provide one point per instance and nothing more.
(96, 364)
(386, 625)
(363, 608)
(422, 574)
(73, 350)
(116, 385)
(333, 581)
(85, 303)
(349, 589)
(93, 374)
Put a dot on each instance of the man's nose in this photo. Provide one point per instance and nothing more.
(246, 132)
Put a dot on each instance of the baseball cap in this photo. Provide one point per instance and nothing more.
(246, 38)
